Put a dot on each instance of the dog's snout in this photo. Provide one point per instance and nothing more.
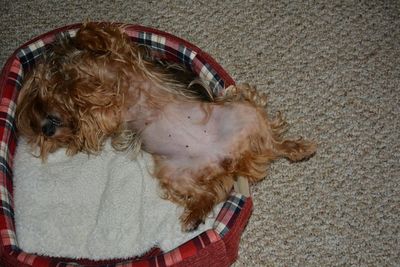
(49, 128)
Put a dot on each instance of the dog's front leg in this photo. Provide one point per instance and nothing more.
(196, 210)
(196, 201)
(197, 189)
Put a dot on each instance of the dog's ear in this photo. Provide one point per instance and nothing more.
(96, 120)
(31, 105)
(27, 94)
(34, 84)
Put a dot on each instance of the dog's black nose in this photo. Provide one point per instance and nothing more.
(50, 126)
(49, 129)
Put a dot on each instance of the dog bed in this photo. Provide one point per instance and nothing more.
(214, 247)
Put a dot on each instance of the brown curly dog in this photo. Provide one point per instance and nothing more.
(99, 85)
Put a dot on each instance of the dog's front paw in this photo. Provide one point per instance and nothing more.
(190, 220)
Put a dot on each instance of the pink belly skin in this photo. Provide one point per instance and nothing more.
(184, 137)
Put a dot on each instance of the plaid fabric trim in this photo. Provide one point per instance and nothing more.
(228, 214)
(189, 249)
(209, 74)
(156, 42)
(9, 85)
(11, 82)
(28, 55)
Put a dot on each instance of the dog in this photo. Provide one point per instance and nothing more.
(99, 85)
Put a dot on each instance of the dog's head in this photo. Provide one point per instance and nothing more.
(73, 97)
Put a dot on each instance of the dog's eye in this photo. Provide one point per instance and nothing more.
(54, 120)
(50, 125)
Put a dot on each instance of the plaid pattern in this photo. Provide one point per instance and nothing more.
(229, 213)
(10, 83)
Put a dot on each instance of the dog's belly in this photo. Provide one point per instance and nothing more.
(188, 141)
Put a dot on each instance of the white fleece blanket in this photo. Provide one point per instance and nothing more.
(96, 207)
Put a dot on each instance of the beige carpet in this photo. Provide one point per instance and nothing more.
(333, 68)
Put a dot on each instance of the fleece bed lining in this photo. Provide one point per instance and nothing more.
(97, 207)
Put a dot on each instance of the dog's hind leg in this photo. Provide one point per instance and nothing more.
(292, 149)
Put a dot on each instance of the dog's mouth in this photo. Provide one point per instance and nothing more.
(50, 125)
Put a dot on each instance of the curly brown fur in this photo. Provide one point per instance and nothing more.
(88, 82)
(99, 85)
